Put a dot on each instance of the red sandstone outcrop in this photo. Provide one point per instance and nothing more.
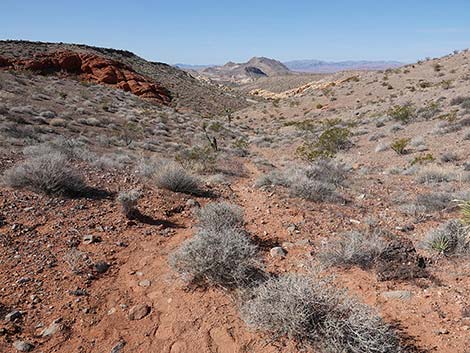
(93, 68)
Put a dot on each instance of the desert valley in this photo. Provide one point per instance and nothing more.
(257, 207)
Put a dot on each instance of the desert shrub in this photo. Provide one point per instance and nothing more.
(172, 176)
(434, 174)
(128, 201)
(71, 148)
(217, 216)
(434, 201)
(353, 249)
(316, 314)
(423, 159)
(51, 174)
(460, 100)
(403, 113)
(449, 157)
(274, 177)
(429, 111)
(328, 143)
(317, 181)
(399, 145)
(450, 238)
(313, 190)
(202, 158)
(225, 258)
(465, 211)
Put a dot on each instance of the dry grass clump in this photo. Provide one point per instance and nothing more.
(218, 216)
(434, 174)
(225, 258)
(128, 201)
(172, 176)
(318, 181)
(353, 249)
(50, 173)
(450, 238)
(316, 314)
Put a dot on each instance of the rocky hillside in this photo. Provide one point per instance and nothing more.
(187, 91)
(319, 66)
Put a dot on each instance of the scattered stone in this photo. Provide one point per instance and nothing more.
(12, 316)
(398, 294)
(442, 331)
(23, 346)
(278, 252)
(118, 347)
(292, 228)
(90, 239)
(78, 292)
(192, 203)
(138, 311)
(23, 280)
(52, 328)
(101, 267)
(145, 283)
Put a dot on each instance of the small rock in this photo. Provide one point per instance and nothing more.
(398, 294)
(118, 347)
(23, 346)
(144, 283)
(442, 331)
(78, 292)
(277, 252)
(101, 267)
(23, 280)
(192, 203)
(138, 311)
(51, 329)
(12, 316)
(90, 239)
(292, 228)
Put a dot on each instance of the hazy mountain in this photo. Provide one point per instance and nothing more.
(319, 66)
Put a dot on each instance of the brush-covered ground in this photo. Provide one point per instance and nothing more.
(350, 235)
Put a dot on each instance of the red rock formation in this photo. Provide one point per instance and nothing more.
(93, 68)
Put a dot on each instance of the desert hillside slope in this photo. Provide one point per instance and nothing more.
(188, 92)
(325, 214)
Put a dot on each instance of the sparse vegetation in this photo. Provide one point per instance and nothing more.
(402, 113)
(50, 173)
(172, 176)
(450, 238)
(399, 146)
(128, 201)
(353, 249)
(315, 314)
(218, 216)
(225, 258)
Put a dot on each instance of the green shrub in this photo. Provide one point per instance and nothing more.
(330, 141)
(402, 113)
(399, 145)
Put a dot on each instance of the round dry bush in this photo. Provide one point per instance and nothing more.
(172, 176)
(316, 314)
(218, 216)
(353, 249)
(225, 258)
(50, 173)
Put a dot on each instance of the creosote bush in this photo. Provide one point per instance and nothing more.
(218, 216)
(403, 113)
(316, 314)
(399, 146)
(128, 201)
(450, 238)
(225, 258)
(51, 174)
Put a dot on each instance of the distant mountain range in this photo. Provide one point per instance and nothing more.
(271, 67)
(319, 66)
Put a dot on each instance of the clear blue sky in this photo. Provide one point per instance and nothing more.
(210, 31)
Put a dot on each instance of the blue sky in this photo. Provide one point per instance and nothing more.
(209, 31)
